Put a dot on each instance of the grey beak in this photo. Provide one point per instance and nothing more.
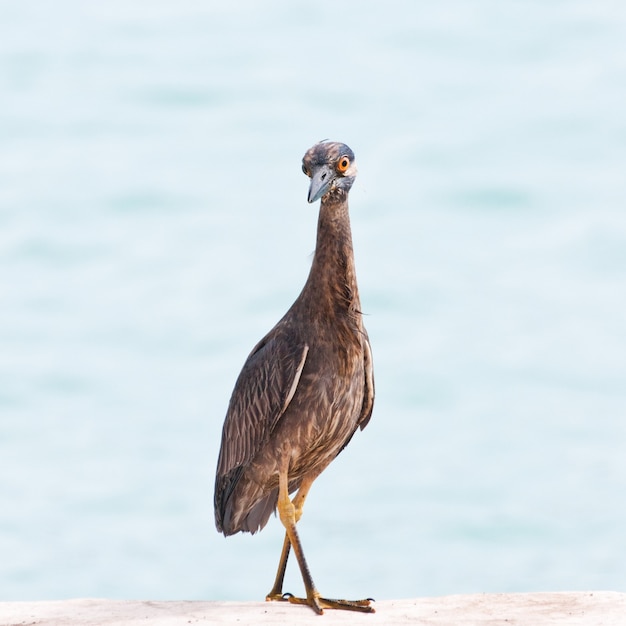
(321, 181)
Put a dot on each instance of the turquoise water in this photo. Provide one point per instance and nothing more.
(154, 225)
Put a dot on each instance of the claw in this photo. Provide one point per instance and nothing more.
(278, 597)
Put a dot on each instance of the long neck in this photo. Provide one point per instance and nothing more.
(331, 284)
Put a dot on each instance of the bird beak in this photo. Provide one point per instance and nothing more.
(321, 180)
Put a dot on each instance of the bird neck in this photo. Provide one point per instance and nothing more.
(332, 280)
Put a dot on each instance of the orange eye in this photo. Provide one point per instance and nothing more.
(344, 164)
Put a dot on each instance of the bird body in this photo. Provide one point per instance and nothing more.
(308, 385)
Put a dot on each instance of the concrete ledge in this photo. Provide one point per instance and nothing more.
(515, 609)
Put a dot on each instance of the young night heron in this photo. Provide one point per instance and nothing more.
(305, 389)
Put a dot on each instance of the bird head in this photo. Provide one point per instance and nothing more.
(330, 166)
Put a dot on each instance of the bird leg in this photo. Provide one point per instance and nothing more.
(298, 502)
(277, 590)
(289, 513)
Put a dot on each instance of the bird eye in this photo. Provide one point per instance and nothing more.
(305, 169)
(344, 164)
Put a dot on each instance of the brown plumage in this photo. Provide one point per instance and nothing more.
(305, 388)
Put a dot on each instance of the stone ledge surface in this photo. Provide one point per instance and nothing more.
(592, 608)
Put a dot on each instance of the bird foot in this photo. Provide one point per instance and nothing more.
(279, 596)
(318, 604)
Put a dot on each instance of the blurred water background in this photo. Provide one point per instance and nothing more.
(154, 225)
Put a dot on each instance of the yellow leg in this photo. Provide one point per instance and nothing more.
(277, 590)
(298, 502)
(289, 513)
